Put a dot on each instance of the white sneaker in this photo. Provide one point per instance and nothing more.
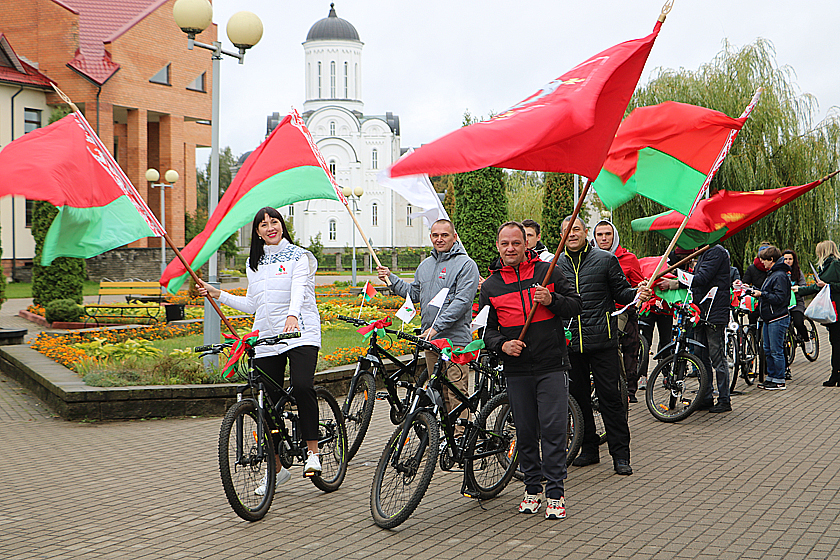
(809, 346)
(280, 478)
(312, 466)
(642, 382)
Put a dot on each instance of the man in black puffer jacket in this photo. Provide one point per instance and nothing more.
(597, 276)
(535, 367)
(712, 271)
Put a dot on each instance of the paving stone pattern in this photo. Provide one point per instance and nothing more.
(759, 482)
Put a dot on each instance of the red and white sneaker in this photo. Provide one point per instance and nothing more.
(531, 503)
(556, 509)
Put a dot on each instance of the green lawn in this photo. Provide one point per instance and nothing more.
(24, 289)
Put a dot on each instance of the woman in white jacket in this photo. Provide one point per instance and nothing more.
(281, 295)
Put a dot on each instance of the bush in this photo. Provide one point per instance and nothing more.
(63, 310)
(63, 279)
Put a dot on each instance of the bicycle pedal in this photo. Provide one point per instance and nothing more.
(382, 395)
(310, 474)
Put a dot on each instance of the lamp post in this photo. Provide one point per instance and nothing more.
(244, 30)
(354, 194)
(153, 176)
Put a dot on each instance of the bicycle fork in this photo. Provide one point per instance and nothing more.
(410, 467)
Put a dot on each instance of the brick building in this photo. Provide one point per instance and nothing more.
(125, 63)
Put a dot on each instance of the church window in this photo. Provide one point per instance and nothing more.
(319, 80)
(346, 82)
(374, 214)
(332, 167)
(332, 128)
(291, 210)
(332, 79)
(408, 215)
(374, 159)
(332, 230)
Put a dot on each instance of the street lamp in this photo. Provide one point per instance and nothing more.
(244, 30)
(170, 177)
(354, 194)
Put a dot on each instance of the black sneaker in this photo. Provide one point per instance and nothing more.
(632, 399)
(772, 386)
(622, 466)
(706, 405)
(721, 407)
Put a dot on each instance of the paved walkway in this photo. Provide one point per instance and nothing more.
(759, 482)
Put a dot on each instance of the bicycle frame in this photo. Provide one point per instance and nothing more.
(680, 340)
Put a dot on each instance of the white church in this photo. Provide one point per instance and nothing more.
(355, 145)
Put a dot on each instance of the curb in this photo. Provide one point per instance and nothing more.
(63, 391)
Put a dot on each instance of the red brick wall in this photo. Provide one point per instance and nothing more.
(158, 131)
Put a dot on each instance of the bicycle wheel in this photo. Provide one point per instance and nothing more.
(730, 349)
(398, 488)
(332, 443)
(749, 357)
(244, 460)
(574, 432)
(357, 420)
(491, 455)
(789, 347)
(675, 387)
(814, 339)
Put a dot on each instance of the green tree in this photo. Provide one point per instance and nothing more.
(63, 278)
(316, 247)
(195, 222)
(524, 195)
(779, 146)
(557, 203)
(449, 197)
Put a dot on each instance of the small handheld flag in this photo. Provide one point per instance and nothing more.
(685, 277)
(407, 311)
(480, 319)
(711, 294)
(369, 291)
(440, 298)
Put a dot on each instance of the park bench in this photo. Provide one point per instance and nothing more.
(135, 291)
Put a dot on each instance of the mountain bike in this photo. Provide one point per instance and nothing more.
(677, 384)
(792, 340)
(742, 348)
(487, 451)
(256, 428)
(361, 396)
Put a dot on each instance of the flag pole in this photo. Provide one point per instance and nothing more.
(560, 248)
(166, 237)
(365, 239)
(721, 155)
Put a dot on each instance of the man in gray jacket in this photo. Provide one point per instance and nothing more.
(449, 267)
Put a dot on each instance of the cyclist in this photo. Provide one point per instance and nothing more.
(828, 265)
(797, 312)
(536, 368)
(532, 230)
(281, 295)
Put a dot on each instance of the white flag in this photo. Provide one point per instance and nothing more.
(711, 294)
(685, 277)
(407, 311)
(480, 319)
(417, 190)
(440, 298)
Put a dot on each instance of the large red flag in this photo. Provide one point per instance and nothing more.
(722, 215)
(567, 126)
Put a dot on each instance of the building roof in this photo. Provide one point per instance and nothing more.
(17, 71)
(332, 27)
(100, 22)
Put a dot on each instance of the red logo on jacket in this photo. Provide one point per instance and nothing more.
(442, 273)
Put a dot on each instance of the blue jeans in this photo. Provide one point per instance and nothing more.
(774, 342)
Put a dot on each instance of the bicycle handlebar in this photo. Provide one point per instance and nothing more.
(267, 341)
(424, 344)
(352, 320)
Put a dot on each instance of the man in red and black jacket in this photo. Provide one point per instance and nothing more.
(536, 368)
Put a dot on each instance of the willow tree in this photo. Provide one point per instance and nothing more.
(524, 195)
(779, 146)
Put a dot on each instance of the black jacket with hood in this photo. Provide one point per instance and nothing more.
(775, 293)
(712, 270)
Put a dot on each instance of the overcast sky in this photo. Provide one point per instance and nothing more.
(428, 61)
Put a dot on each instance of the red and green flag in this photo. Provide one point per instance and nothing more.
(369, 291)
(722, 215)
(665, 152)
(286, 168)
(566, 126)
(67, 165)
